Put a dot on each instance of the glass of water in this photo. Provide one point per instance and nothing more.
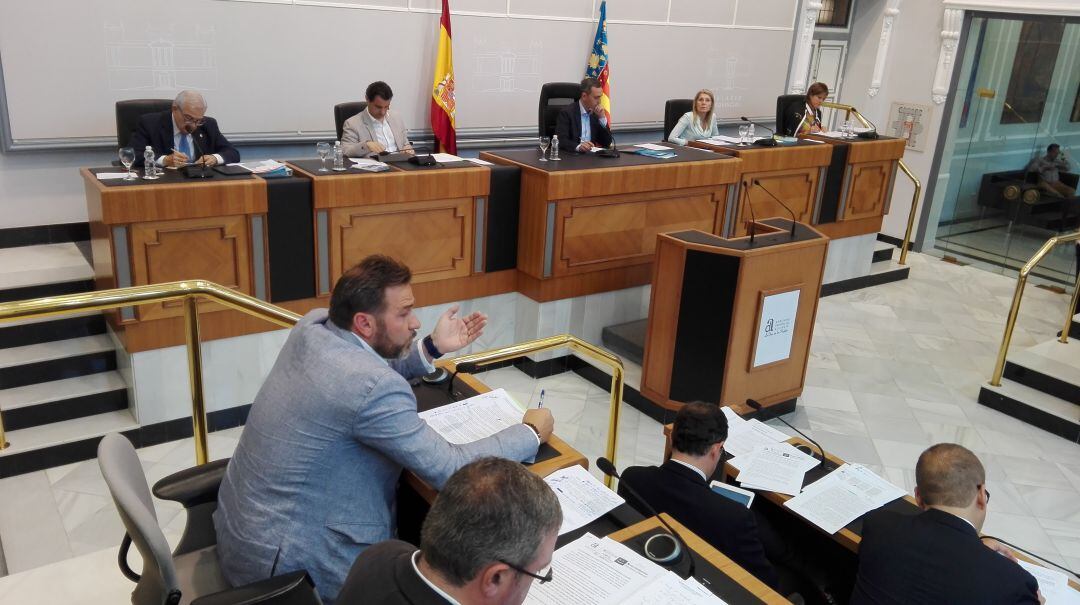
(847, 129)
(545, 143)
(744, 133)
(127, 158)
(323, 148)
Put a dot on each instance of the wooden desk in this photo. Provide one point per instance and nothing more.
(744, 587)
(588, 224)
(858, 190)
(793, 173)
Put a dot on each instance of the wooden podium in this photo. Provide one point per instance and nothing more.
(730, 320)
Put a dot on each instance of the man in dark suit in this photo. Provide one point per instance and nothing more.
(936, 556)
(183, 135)
(490, 533)
(582, 124)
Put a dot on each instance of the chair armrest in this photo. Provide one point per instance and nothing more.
(193, 486)
(294, 588)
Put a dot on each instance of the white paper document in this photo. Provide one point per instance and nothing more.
(670, 589)
(261, 166)
(474, 418)
(1053, 585)
(478, 161)
(843, 496)
(723, 140)
(594, 571)
(653, 146)
(582, 497)
(778, 468)
(109, 176)
(443, 158)
(749, 434)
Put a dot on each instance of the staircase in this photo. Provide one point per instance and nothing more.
(59, 387)
(1041, 386)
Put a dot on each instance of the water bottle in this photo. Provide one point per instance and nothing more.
(555, 148)
(339, 157)
(149, 164)
(750, 134)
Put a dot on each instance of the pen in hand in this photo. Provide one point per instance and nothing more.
(540, 405)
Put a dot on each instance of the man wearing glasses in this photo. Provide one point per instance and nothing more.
(489, 535)
(937, 556)
(183, 135)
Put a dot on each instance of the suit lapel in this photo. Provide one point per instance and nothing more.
(167, 132)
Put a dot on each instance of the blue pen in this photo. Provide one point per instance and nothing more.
(540, 405)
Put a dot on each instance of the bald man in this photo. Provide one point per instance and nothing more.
(183, 135)
(936, 556)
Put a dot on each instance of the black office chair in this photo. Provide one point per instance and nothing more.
(128, 113)
(344, 111)
(787, 105)
(553, 97)
(673, 110)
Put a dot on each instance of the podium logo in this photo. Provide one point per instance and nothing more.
(776, 327)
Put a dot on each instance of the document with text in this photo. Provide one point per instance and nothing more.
(670, 589)
(1053, 585)
(745, 436)
(583, 498)
(594, 571)
(778, 468)
(474, 418)
(843, 496)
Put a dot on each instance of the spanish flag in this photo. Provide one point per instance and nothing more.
(598, 61)
(443, 106)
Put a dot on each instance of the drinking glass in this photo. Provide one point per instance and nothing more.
(127, 158)
(545, 142)
(744, 133)
(323, 148)
(847, 129)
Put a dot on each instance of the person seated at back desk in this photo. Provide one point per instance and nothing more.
(376, 129)
(183, 135)
(698, 123)
(490, 533)
(807, 119)
(582, 125)
(936, 556)
(1049, 168)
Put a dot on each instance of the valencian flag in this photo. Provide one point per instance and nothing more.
(443, 106)
(598, 61)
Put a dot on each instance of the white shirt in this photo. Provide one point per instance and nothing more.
(586, 124)
(438, 591)
(691, 466)
(177, 135)
(430, 367)
(384, 134)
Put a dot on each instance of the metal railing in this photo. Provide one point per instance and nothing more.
(188, 292)
(1018, 295)
(850, 111)
(574, 344)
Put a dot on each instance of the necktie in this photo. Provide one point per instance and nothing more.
(185, 147)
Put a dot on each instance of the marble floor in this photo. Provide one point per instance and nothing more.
(893, 369)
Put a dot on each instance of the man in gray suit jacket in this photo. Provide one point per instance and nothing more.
(375, 130)
(313, 480)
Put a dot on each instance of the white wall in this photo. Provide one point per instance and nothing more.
(44, 188)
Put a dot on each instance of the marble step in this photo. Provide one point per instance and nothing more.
(59, 400)
(1039, 409)
(1051, 367)
(67, 441)
(43, 264)
(43, 362)
(20, 333)
(883, 251)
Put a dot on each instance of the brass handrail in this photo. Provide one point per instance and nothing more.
(189, 291)
(1014, 310)
(574, 344)
(850, 110)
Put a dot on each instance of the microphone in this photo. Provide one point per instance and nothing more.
(825, 464)
(197, 136)
(677, 543)
(750, 206)
(769, 142)
(758, 183)
(872, 134)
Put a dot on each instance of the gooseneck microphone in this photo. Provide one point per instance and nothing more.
(677, 544)
(612, 152)
(825, 464)
(758, 184)
(768, 142)
(750, 206)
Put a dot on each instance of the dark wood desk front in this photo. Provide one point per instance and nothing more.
(588, 224)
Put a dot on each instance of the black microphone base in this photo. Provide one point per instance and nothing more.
(868, 135)
(769, 142)
(608, 153)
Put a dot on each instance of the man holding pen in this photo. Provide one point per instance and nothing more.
(183, 135)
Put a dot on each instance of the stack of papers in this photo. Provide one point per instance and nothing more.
(601, 571)
(478, 161)
(722, 140)
(843, 496)
(746, 435)
(261, 166)
(474, 418)
(779, 467)
(653, 147)
(582, 497)
(369, 165)
(443, 158)
(1053, 585)
(663, 153)
(109, 176)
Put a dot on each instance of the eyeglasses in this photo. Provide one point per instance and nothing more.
(544, 579)
(190, 120)
(985, 490)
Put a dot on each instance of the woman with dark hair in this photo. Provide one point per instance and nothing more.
(800, 123)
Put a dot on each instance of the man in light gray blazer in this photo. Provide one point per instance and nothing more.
(375, 130)
(312, 482)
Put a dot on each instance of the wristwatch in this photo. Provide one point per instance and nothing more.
(429, 346)
(535, 430)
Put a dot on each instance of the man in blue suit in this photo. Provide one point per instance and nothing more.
(183, 135)
(313, 480)
(582, 125)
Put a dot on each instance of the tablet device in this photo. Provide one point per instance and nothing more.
(738, 494)
(231, 170)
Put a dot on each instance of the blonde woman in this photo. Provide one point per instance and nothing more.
(699, 123)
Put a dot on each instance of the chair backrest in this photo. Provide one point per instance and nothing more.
(553, 97)
(785, 106)
(128, 113)
(673, 110)
(124, 475)
(344, 111)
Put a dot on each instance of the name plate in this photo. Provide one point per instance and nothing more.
(776, 326)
